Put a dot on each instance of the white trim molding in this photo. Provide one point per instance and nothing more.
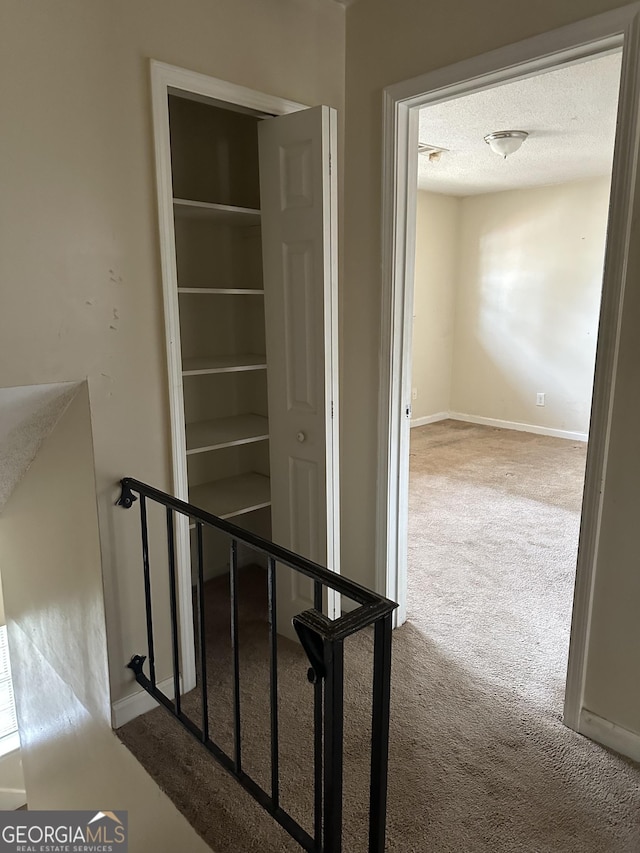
(573, 43)
(127, 709)
(430, 419)
(609, 734)
(499, 424)
(519, 427)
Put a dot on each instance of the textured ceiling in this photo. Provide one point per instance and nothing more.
(570, 114)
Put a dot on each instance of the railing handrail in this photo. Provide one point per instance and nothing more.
(373, 605)
(321, 638)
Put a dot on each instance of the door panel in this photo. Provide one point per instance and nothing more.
(298, 203)
(300, 328)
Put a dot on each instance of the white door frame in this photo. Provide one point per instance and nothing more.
(401, 102)
(164, 80)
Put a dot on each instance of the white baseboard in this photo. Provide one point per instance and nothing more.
(520, 427)
(127, 709)
(429, 419)
(609, 734)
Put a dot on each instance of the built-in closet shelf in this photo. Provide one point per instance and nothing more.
(227, 291)
(223, 364)
(220, 214)
(226, 432)
(233, 495)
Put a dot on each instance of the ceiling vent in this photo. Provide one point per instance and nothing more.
(432, 152)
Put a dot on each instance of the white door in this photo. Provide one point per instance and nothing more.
(299, 248)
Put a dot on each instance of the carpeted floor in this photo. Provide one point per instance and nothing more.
(480, 760)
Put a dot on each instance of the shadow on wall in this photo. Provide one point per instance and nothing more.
(538, 304)
(53, 591)
(529, 293)
(507, 303)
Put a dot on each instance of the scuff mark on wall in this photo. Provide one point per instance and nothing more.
(110, 380)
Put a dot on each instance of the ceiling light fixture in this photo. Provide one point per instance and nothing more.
(505, 142)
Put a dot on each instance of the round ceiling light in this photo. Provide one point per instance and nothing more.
(505, 142)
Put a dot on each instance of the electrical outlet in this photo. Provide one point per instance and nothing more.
(540, 398)
(414, 393)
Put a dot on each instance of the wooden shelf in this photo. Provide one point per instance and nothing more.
(223, 364)
(233, 495)
(228, 291)
(226, 432)
(220, 214)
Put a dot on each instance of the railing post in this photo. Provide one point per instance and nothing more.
(380, 734)
(333, 746)
(147, 587)
(171, 549)
(318, 688)
(273, 683)
(237, 733)
(202, 635)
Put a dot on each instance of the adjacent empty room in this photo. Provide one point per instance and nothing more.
(508, 281)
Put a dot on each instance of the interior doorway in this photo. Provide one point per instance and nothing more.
(575, 44)
(506, 302)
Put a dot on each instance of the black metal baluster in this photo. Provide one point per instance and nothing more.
(273, 684)
(380, 734)
(174, 610)
(323, 642)
(333, 747)
(233, 566)
(317, 737)
(202, 637)
(147, 587)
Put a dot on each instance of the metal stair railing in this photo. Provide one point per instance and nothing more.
(322, 640)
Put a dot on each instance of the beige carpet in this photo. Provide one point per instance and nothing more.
(479, 758)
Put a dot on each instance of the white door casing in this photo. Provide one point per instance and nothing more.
(298, 205)
(165, 79)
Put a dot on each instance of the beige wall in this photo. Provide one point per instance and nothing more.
(509, 292)
(437, 228)
(387, 43)
(79, 260)
(528, 303)
(52, 582)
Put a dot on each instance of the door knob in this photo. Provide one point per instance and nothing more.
(301, 437)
